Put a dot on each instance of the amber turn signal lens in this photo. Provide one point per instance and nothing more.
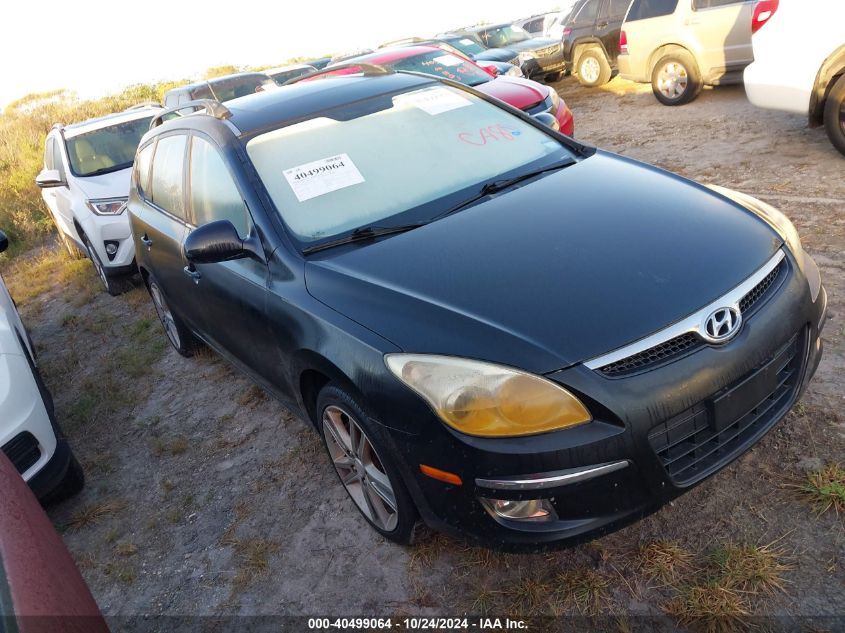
(441, 475)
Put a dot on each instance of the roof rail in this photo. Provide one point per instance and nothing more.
(366, 70)
(142, 105)
(209, 106)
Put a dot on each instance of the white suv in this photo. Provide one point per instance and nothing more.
(799, 52)
(85, 183)
(29, 435)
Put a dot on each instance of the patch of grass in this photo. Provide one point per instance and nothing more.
(529, 596)
(585, 589)
(125, 548)
(664, 562)
(252, 557)
(146, 345)
(252, 397)
(826, 489)
(714, 608)
(100, 463)
(92, 514)
(749, 568)
(172, 446)
(122, 570)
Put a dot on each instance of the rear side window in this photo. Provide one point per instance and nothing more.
(588, 13)
(644, 9)
(712, 4)
(618, 8)
(214, 195)
(168, 175)
(142, 169)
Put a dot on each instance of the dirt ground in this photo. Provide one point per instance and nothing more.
(205, 497)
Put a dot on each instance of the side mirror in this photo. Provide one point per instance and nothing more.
(4, 242)
(490, 69)
(49, 178)
(548, 120)
(214, 242)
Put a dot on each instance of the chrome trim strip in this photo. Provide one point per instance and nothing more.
(693, 323)
(551, 480)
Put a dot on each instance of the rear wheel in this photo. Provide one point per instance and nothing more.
(180, 337)
(364, 466)
(592, 67)
(675, 79)
(834, 115)
(113, 285)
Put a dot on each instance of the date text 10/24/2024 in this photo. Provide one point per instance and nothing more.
(417, 624)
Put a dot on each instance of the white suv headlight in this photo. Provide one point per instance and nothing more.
(107, 206)
(488, 400)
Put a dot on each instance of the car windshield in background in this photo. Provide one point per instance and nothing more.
(287, 75)
(444, 65)
(108, 149)
(466, 45)
(229, 89)
(502, 36)
(328, 176)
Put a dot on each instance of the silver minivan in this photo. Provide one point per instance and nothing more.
(681, 45)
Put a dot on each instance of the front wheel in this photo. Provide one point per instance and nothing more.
(71, 484)
(179, 335)
(113, 285)
(834, 115)
(675, 79)
(364, 466)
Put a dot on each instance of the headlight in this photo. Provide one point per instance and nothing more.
(488, 400)
(107, 206)
(526, 56)
(555, 99)
(514, 71)
(777, 220)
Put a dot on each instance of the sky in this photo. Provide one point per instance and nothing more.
(97, 47)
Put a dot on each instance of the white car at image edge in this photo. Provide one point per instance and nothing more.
(799, 53)
(85, 184)
(29, 435)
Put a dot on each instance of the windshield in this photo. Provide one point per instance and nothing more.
(446, 65)
(240, 86)
(503, 36)
(466, 45)
(418, 152)
(108, 149)
(286, 75)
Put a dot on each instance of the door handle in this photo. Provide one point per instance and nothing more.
(193, 273)
(147, 241)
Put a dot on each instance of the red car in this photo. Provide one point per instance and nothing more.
(529, 96)
(41, 590)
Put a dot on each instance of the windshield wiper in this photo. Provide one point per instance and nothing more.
(107, 170)
(496, 186)
(363, 233)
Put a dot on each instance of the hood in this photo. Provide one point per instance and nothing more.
(520, 93)
(534, 44)
(496, 55)
(112, 185)
(563, 269)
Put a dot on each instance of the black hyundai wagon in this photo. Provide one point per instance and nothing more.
(487, 336)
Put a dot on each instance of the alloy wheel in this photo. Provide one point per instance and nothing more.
(590, 70)
(842, 117)
(672, 81)
(360, 469)
(165, 315)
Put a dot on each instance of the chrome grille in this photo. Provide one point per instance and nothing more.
(761, 289)
(654, 355)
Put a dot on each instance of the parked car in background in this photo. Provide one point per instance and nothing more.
(539, 58)
(556, 22)
(42, 590)
(29, 434)
(319, 63)
(524, 94)
(342, 57)
(435, 282)
(84, 183)
(591, 39)
(535, 25)
(808, 75)
(285, 73)
(468, 45)
(681, 45)
(499, 68)
(220, 89)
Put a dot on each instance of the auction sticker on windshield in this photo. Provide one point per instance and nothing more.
(434, 100)
(322, 176)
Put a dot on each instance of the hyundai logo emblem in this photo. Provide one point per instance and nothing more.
(722, 325)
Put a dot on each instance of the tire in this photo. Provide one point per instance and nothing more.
(179, 335)
(592, 67)
(72, 483)
(113, 285)
(552, 77)
(675, 79)
(367, 455)
(834, 115)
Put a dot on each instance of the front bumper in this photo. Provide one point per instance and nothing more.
(709, 407)
(544, 65)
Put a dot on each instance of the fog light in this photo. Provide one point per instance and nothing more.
(520, 510)
(111, 248)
